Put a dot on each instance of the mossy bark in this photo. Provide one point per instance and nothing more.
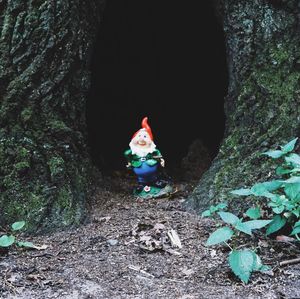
(263, 102)
(45, 48)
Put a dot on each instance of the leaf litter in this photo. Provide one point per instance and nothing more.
(149, 249)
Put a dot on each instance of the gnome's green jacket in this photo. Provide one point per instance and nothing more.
(136, 161)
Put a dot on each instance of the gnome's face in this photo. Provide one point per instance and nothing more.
(141, 144)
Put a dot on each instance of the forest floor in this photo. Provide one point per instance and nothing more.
(123, 251)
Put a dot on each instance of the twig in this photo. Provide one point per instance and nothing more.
(174, 238)
(174, 280)
(228, 246)
(141, 271)
(288, 262)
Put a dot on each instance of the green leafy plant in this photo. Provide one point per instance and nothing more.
(9, 239)
(214, 209)
(282, 201)
(242, 262)
(283, 194)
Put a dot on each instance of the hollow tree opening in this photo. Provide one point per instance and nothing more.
(166, 62)
(45, 169)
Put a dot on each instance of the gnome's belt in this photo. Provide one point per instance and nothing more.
(143, 159)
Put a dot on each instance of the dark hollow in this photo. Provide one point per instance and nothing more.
(165, 60)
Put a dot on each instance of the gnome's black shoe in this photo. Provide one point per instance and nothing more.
(139, 188)
(160, 183)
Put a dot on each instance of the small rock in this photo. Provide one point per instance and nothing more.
(112, 242)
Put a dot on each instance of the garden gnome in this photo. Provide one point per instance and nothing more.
(145, 160)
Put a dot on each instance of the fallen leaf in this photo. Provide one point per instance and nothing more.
(188, 272)
(172, 251)
(286, 239)
(42, 247)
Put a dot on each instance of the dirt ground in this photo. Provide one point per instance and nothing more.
(124, 251)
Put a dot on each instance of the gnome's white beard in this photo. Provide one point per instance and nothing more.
(140, 150)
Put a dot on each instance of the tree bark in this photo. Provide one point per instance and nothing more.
(45, 49)
(263, 103)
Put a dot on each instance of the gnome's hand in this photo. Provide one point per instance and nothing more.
(162, 162)
(128, 165)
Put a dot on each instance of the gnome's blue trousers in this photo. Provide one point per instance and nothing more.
(145, 173)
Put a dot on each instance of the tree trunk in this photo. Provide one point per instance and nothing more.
(263, 102)
(44, 79)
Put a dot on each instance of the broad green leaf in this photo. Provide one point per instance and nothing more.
(281, 170)
(6, 241)
(242, 263)
(272, 185)
(213, 209)
(222, 205)
(18, 225)
(296, 230)
(259, 189)
(277, 223)
(229, 217)
(271, 196)
(258, 265)
(294, 159)
(26, 244)
(292, 191)
(274, 154)
(297, 223)
(289, 146)
(257, 224)
(242, 192)
(206, 213)
(264, 189)
(220, 235)
(264, 268)
(243, 227)
(296, 212)
(278, 210)
(257, 262)
(253, 213)
(292, 180)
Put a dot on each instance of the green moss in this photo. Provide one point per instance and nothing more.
(64, 208)
(23, 153)
(43, 155)
(10, 182)
(35, 208)
(15, 211)
(265, 115)
(277, 82)
(63, 198)
(21, 166)
(56, 165)
(58, 125)
(280, 55)
(26, 114)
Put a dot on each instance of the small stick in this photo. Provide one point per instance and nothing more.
(141, 271)
(174, 238)
(288, 262)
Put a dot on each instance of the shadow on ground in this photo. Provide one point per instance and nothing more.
(123, 251)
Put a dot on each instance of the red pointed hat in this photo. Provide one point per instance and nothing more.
(145, 126)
